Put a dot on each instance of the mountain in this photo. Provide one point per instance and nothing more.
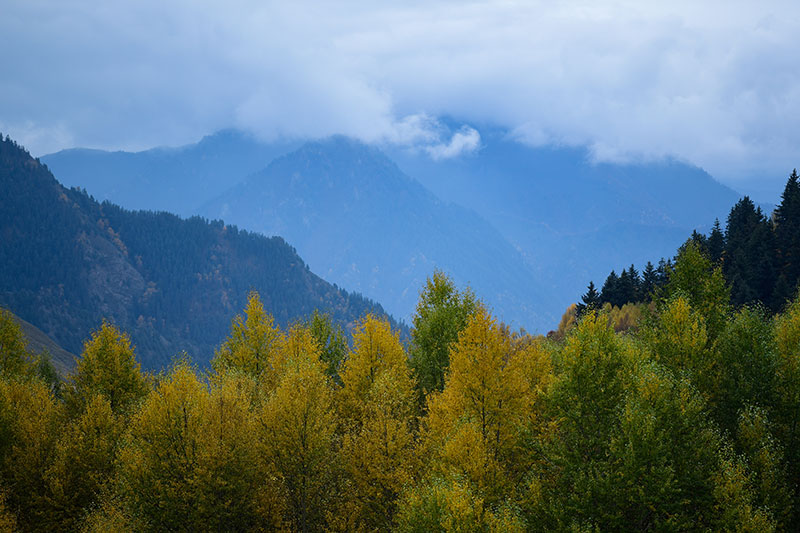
(574, 220)
(177, 180)
(570, 219)
(172, 284)
(360, 221)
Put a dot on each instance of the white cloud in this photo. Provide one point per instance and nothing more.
(714, 83)
(464, 141)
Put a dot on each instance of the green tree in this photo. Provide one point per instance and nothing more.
(787, 240)
(589, 301)
(442, 312)
(749, 264)
(332, 342)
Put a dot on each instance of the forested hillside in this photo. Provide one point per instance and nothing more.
(173, 284)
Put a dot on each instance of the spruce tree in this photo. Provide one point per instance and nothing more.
(589, 301)
(787, 240)
(715, 244)
(610, 291)
(749, 254)
(649, 281)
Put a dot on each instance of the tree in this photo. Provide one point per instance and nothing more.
(716, 243)
(649, 281)
(14, 357)
(589, 301)
(297, 436)
(189, 461)
(332, 343)
(472, 427)
(787, 240)
(377, 403)
(107, 367)
(749, 263)
(693, 277)
(610, 291)
(83, 463)
(30, 419)
(442, 312)
(252, 344)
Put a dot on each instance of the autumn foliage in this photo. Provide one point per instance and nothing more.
(682, 415)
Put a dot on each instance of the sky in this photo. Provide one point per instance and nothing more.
(715, 84)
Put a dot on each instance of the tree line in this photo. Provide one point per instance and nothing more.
(689, 421)
(759, 257)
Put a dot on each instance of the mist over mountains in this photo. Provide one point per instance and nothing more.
(526, 227)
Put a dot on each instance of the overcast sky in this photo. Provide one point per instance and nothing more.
(716, 84)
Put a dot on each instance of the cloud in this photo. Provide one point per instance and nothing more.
(713, 83)
(464, 141)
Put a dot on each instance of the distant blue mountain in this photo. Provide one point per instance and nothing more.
(177, 180)
(572, 219)
(361, 222)
(547, 218)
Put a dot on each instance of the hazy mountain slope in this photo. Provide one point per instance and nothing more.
(177, 180)
(359, 221)
(573, 219)
(38, 342)
(173, 284)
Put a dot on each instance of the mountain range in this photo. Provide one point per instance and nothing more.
(173, 284)
(526, 227)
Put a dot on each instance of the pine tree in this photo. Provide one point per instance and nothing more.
(589, 301)
(716, 243)
(610, 291)
(787, 240)
(749, 264)
(649, 281)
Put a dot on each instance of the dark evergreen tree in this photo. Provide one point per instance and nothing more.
(748, 262)
(649, 281)
(700, 240)
(610, 291)
(787, 241)
(589, 301)
(715, 244)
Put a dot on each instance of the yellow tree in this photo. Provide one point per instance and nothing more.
(298, 434)
(252, 345)
(473, 426)
(107, 367)
(189, 459)
(83, 463)
(29, 422)
(377, 402)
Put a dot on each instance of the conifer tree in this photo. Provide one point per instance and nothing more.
(749, 255)
(649, 281)
(716, 243)
(787, 240)
(610, 291)
(589, 301)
